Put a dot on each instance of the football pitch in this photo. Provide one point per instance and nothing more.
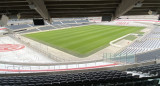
(83, 41)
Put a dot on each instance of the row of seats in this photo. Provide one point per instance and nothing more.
(149, 42)
(69, 19)
(153, 70)
(80, 79)
(148, 56)
(16, 27)
(55, 26)
(154, 82)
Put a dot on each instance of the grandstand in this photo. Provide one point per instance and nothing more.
(79, 43)
(147, 43)
(57, 24)
(15, 27)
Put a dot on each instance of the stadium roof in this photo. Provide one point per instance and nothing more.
(76, 8)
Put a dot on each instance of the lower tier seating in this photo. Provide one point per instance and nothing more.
(100, 78)
(153, 70)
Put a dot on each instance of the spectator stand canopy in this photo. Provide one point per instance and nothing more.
(48, 9)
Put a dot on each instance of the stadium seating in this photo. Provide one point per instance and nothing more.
(68, 22)
(152, 70)
(46, 28)
(65, 25)
(57, 26)
(82, 21)
(56, 23)
(54, 26)
(149, 42)
(73, 24)
(99, 78)
(79, 79)
(31, 25)
(66, 19)
(148, 56)
(31, 30)
(16, 27)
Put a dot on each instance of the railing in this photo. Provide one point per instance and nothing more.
(137, 39)
(15, 68)
(51, 52)
(124, 59)
(121, 58)
(129, 58)
(118, 58)
(45, 49)
(38, 47)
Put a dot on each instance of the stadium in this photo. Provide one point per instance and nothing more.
(79, 43)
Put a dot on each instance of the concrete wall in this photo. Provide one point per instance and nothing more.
(121, 68)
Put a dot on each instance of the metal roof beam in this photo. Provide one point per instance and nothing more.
(40, 7)
(124, 7)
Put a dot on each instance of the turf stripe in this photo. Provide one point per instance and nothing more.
(63, 32)
(82, 36)
(98, 41)
(83, 40)
(74, 33)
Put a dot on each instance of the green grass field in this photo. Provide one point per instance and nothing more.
(82, 41)
(130, 37)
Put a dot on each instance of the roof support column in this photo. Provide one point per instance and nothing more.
(125, 6)
(40, 7)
